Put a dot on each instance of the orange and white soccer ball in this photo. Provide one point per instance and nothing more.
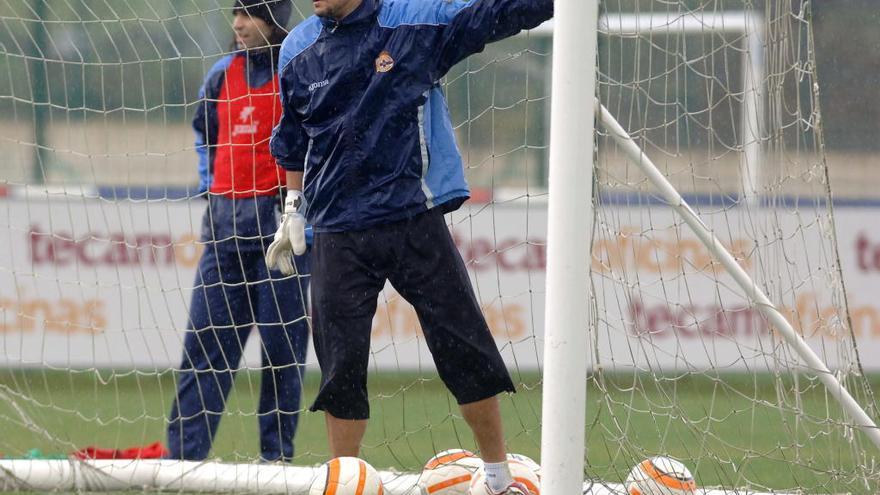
(660, 476)
(346, 476)
(528, 461)
(520, 471)
(449, 472)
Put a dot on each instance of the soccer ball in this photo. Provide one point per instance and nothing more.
(449, 472)
(520, 471)
(346, 476)
(528, 461)
(660, 476)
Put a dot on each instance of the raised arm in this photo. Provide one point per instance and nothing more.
(470, 25)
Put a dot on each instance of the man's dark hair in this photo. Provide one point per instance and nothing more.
(275, 13)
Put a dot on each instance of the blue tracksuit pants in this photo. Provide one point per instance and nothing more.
(233, 293)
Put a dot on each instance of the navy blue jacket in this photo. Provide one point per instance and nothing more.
(261, 69)
(363, 112)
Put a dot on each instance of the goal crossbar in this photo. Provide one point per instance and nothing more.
(746, 23)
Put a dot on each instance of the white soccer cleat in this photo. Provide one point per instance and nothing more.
(515, 488)
(525, 481)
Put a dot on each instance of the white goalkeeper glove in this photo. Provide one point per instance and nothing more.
(290, 239)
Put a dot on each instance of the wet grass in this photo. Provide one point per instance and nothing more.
(734, 430)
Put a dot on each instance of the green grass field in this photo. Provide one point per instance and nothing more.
(729, 430)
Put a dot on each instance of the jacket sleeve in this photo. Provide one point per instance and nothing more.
(201, 128)
(205, 122)
(473, 24)
(289, 143)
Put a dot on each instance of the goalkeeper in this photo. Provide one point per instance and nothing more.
(366, 132)
(234, 290)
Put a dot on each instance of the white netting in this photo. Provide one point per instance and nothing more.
(98, 247)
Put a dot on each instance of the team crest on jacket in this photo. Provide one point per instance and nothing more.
(384, 62)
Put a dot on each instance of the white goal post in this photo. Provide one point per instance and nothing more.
(568, 240)
(569, 296)
(745, 23)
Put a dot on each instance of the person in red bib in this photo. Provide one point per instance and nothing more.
(234, 290)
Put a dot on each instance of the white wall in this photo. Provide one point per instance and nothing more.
(110, 286)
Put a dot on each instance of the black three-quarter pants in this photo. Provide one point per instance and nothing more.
(419, 258)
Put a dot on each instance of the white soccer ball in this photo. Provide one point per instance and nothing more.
(528, 461)
(346, 476)
(449, 472)
(520, 471)
(660, 476)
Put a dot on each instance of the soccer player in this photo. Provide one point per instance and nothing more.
(234, 289)
(366, 133)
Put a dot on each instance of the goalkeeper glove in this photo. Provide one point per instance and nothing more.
(290, 239)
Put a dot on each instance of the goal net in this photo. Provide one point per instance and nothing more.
(100, 240)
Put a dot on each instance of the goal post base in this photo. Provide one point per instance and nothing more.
(211, 476)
